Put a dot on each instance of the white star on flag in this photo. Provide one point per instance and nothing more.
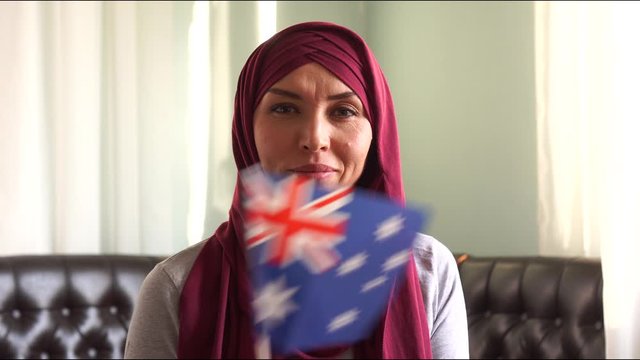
(389, 227)
(273, 302)
(343, 320)
(353, 263)
(396, 260)
(373, 283)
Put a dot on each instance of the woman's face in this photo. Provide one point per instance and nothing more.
(311, 123)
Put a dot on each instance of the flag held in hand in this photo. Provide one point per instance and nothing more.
(322, 261)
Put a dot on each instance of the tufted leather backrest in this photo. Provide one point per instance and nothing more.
(68, 306)
(79, 306)
(533, 307)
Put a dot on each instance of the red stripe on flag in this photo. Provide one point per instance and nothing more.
(333, 197)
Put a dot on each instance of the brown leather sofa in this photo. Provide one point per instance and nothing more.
(79, 306)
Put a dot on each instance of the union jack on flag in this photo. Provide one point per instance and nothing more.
(322, 261)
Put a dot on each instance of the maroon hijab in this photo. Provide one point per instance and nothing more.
(215, 309)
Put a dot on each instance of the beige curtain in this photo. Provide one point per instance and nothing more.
(115, 124)
(588, 86)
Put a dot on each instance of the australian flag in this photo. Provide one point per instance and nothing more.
(322, 261)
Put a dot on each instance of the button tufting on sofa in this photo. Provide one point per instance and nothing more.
(533, 307)
(68, 306)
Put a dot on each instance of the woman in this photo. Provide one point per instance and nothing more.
(311, 100)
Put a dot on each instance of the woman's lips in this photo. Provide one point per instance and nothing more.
(316, 171)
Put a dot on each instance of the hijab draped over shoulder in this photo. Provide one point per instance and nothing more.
(215, 304)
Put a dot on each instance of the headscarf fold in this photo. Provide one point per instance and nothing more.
(215, 310)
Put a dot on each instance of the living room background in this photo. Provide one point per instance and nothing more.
(461, 73)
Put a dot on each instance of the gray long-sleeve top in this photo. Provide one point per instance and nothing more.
(153, 332)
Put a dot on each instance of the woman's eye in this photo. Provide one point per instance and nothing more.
(345, 112)
(283, 109)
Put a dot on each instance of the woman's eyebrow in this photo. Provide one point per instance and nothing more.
(286, 93)
(291, 94)
(342, 95)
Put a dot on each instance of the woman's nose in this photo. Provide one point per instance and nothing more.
(315, 134)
